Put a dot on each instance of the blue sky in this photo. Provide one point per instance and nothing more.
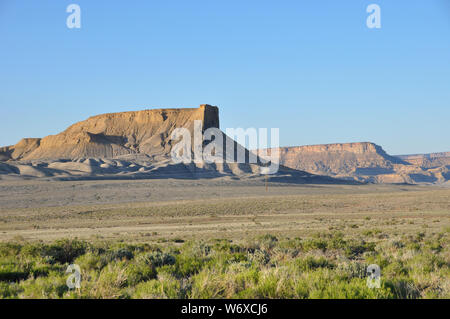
(311, 68)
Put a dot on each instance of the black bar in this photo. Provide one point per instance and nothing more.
(235, 308)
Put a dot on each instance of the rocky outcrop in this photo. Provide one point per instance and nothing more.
(110, 135)
(338, 159)
(432, 160)
(363, 161)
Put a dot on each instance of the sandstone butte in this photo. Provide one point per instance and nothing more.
(114, 134)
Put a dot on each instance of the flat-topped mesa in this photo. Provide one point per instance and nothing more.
(357, 148)
(114, 134)
(336, 159)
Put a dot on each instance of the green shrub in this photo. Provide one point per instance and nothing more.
(310, 263)
(352, 269)
(165, 286)
(314, 243)
(186, 266)
(403, 288)
(9, 290)
(259, 257)
(267, 242)
(9, 249)
(119, 254)
(158, 259)
(90, 261)
(355, 248)
(111, 280)
(64, 251)
(354, 289)
(139, 271)
(237, 280)
(49, 287)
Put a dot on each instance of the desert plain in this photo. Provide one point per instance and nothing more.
(167, 209)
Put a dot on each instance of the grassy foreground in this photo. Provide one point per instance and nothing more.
(326, 265)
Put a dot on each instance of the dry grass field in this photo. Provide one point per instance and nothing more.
(222, 239)
(145, 211)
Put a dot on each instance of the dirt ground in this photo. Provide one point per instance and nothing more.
(176, 210)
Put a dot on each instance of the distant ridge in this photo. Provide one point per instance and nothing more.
(367, 162)
(338, 158)
(431, 160)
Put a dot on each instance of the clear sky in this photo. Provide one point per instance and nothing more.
(311, 68)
